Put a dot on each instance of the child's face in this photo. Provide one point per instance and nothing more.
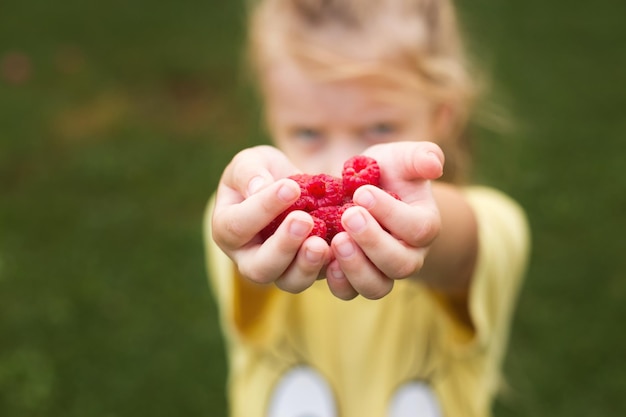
(319, 125)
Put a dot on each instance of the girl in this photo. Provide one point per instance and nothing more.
(431, 278)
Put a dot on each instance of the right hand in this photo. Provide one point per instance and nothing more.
(253, 191)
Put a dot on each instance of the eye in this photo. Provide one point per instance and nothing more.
(380, 132)
(307, 134)
(307, 139)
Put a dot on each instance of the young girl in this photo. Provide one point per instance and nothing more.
(431, 278)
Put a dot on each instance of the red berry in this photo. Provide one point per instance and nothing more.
(319, 228)
(357, 171)
(332, 216)
(326, 197)
(317, 191)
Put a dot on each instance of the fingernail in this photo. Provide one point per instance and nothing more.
(313, 256)
(287, 193)
(345, 249)
(365, 199)
(255, 185)
(298, 228)
(355, 222)
(435, 158)
(335, 273)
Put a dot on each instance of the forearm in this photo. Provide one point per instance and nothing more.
(449, 265)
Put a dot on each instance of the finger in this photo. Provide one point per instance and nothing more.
(254, 168)
(363, 276)
(304, 270)
(338, 283)
(235, 225)
(266, 262)
(394, 258)
(415, 224)
(408, 161)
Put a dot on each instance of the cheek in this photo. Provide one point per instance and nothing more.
(420, 132)
(296, 154)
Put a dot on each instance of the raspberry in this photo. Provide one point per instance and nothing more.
(332, 216)
(326, 197)
(317, 191)
(319, 228)
(357, 171)
(326, 190)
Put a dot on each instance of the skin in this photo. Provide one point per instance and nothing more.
(316, 126)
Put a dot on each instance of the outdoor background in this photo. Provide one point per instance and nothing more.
(116, 119)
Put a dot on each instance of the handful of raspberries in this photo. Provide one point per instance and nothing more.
(326, 197)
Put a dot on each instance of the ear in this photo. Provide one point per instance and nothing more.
(443, 121)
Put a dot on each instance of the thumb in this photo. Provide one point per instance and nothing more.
(255, 168)
(424, 160)
(408, 161)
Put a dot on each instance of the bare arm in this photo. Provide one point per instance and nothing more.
(449, 265)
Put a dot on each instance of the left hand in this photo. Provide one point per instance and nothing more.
(387, 239)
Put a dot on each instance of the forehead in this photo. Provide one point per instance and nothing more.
(293, 92)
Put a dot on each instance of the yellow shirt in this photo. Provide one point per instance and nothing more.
(366, 349)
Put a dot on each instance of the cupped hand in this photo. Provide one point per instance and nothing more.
(252, 192)
(388, 239)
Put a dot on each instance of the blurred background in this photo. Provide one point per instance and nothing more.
(116, 119)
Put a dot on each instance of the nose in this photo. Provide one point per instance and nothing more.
(340, 152)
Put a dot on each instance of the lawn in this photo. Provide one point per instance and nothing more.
(116, 119)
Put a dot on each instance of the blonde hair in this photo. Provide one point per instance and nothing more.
(414, 44)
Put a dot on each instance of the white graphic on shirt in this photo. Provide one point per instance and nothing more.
(414, 399)
(302, 392)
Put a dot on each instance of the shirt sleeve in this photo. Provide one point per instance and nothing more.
(504, 246)
(503, 251)
(474, 355)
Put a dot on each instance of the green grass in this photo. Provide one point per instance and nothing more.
(111, 147)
